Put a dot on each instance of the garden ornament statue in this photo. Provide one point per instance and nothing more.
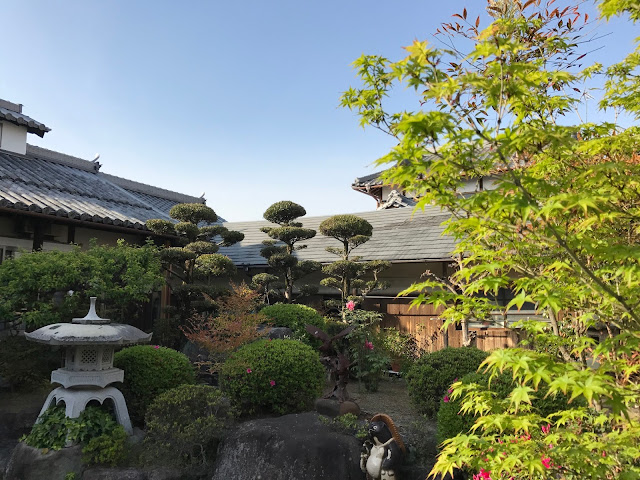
(336, 362)
(383, 450)
(88, 370)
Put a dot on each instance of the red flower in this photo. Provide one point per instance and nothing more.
(272, 383)
(368, 345)
(350, 305)
(446, 399)
(249, 370)
(546, 461)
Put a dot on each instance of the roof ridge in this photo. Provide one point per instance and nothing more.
(151, 190)
(62, 158)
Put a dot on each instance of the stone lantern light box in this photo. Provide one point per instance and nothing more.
(88, 370)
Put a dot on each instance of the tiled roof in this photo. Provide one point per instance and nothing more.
(399, 235)
(52, 183)
(32, 125)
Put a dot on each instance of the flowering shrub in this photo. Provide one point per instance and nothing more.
(364, 347)
(150, 370)
(273, 376)
(430, 377)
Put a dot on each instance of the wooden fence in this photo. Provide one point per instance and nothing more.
(424, 323)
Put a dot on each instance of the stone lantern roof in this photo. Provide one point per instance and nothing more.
(89, 330)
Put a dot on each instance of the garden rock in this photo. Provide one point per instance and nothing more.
(113, 474)
(290, 447)
(28, 463)
(279, 333)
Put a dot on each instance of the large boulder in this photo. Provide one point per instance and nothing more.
(291, 447)
(28, 463)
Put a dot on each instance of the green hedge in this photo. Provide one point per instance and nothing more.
(273, 376)
(430, 377)
(185, 424)
(150, 370)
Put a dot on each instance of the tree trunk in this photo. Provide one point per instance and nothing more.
(466, 339)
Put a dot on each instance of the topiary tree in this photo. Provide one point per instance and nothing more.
(347, 273)
(281, 258)
(192, 264)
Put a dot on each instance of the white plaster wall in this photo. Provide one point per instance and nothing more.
(14, 138)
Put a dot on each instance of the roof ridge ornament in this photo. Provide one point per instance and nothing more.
(92, 316)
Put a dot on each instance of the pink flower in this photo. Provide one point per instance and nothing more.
(350, 305)
(546, 461)
(156, 346)
(545, 429)
(483, 475)
(368, 345)
(249, 370)
(272, 383)
(446, 399)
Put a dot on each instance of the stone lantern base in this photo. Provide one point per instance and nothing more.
(76, 400)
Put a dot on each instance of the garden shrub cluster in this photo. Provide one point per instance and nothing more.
(185, 424)
(273, 376)
(430, 377)
(149, 371)
(103, 440)
(296, 317)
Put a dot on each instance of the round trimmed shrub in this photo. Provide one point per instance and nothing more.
(150, 370)
(185, 424)
(430, 377)
(296, 317)
(273, 376)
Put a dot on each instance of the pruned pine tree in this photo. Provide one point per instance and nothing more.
(279, 251)
(192, 264)
(347, 274)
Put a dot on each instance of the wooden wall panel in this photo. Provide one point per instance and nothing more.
(423, 322)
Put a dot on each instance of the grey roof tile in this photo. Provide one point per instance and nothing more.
(49, 182)
(398, 235)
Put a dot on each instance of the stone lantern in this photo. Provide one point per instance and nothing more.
(88, 370)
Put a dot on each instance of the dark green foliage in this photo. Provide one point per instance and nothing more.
(148, 372)
(294, 316)
(215, 265)
(161, 227)
(26, 364)
(190, 262)
(54, 429)
(430, 377)
(273, 376)
(34, 288)
(284, 212)
(189, 230)
(193, 213)
(280, 257)
(346, 228)
(107, 449)
(201, 247)
(185, 424)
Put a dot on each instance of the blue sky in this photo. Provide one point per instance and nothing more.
(235, 99)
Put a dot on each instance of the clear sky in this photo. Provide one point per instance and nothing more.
(235, 99)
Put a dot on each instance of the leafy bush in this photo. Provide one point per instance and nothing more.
(430, 377)
(148, 372)
(401, 347)
(451, 422)
(103, 439)
(296, 317)
(185, 425)
(279, 376)
(35, 287)
(347, 424)
(26, 364)
(106, 449)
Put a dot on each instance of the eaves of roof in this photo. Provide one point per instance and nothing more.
(22, 120)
